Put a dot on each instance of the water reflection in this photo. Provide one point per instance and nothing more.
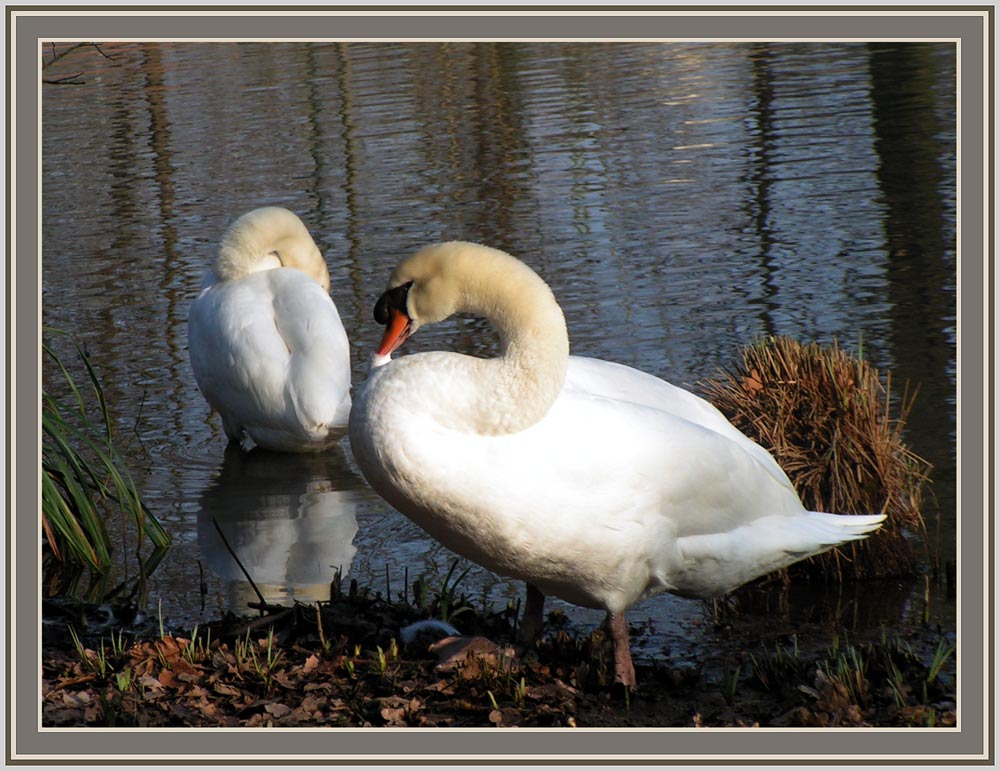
(911, 112)
(290, 519)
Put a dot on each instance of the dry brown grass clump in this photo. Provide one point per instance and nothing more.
(827, 418)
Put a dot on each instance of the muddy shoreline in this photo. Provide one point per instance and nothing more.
(342, 663)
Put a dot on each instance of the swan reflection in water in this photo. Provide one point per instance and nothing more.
(290, 518)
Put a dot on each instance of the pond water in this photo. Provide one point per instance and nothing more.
(681, 200)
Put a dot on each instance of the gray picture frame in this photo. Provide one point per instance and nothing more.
(970, 28)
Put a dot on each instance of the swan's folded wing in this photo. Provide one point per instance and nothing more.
(319, 368)
(621, 383)
(239, 360)
(604, 464)
(270, 353)
(703, 480)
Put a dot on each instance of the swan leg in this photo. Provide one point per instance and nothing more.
(531, 618)
(624, 671)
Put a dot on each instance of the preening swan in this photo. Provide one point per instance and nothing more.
(591, 481)
(267, 346)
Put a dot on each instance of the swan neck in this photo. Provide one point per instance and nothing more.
(269, 238)
(520, 385)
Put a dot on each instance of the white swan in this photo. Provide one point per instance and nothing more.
(267, 346)
(591, 481)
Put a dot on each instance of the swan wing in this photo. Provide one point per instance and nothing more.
(270, 354)
(613, 451)
(319, 357)
(618, 382)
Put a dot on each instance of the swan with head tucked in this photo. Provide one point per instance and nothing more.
(267, 346)
(590, 481)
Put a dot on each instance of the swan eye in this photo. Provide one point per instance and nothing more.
(392, 298)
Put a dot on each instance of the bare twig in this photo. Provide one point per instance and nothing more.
(101, 51)
(69, 80)
(56, 55)
(225, 542)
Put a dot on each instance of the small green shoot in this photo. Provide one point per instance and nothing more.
(520, 691)
(118, 642)
(124, 679)
(730, 680)
(381, 664)
(448, 597)
(941, 655)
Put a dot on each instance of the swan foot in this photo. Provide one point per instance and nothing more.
(624, 671)
(531, 619)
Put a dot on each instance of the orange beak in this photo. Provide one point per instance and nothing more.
(396, 331)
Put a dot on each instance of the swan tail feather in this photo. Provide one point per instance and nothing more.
(846, 527)
(714, 564)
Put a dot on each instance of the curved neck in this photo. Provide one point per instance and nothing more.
(269, 238)
(241, 259)
(517, 388)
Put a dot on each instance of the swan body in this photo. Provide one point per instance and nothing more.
(589, 480)
(267, 346)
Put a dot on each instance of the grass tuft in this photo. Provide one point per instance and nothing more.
(835, 428)
(83, 477)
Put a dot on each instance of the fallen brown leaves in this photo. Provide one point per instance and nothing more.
(337, 667)
(245, 672)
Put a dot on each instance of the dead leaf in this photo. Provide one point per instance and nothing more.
(752, 383)
(183, 666)
(551, 691)
(311, 704)
(440, 686)
(435, 720)
(278, 710)
(168, 648)
(472, 655)
(67, 683)
(224, 689)
(282, 679)
(394, 716)
(76, 698)
(150, 682)
(197, 692)
(167, 679)
(507, 716)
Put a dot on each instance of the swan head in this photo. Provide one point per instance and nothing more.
(495, 395)
(266, 238)
(459, 277)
